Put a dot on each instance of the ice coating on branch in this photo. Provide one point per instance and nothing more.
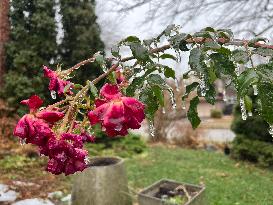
(151, 128)
(243, 108)
(224, 96)
(170, 90)
(203, 85)
(271, 130)
(255, 89)
(237, 71)
(183, 104)
(176, 85)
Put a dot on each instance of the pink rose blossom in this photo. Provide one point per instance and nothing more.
(117, 114)
(56, 83)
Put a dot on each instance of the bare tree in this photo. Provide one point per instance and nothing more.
(4, 34)
(254, 17)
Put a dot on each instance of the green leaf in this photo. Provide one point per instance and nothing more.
(245, 80)
(210, 95)
(192, 113)
(115, 51)
(140, 52)
(195, 59)
(183, 45)
(222, 63)
(155, 79)
(211, 75)
(131, 39)
(136, 83)
(248, 103)
(225, 33)
(240, 56)
(189, 89)
(93, 89)
(159, 94)
(209, 29)
(166, 55)
(169, 29)
(266, 98)
(169, 72)
(99, 58)
(150, 101)
(212, 45)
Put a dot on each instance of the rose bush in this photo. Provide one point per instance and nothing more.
(135, 91)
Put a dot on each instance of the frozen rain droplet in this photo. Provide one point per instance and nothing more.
(86, 160)
(53, 94)
(176, 85)
(237, 70)
(183, 104)
(22, 141)
(271, 130)
(203, 85)
(255, 88)
(250, 114)
(224, 96)
(163, 110)
(172, 97)
(243, 109)
(118, 127)
(151, 128)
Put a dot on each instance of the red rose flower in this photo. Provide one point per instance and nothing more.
(56, 83)
(64, 156)
(34, 127)
(116, 114)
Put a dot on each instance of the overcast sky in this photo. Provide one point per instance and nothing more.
(115, 27)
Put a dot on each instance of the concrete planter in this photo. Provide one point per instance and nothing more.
(103, 183)
(149, 195)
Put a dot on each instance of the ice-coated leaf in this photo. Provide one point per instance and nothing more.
(192, 113)
(189, 89)
(245, 80)
(150, 101)
(168, 56)
(240, 56)
(169, 72)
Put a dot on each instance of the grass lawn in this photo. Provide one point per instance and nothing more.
(227, 181)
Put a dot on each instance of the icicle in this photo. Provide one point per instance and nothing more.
(176, 85)
(163, 111)
(183, 104)
(203, 85)
(255, 88)
(243, 109)
(224, 96)
(237, 70)
(151, 128)
(271, 130)
(86, 160)
(118, 127)
(172, 97)
(22, 141)
(53, 94)
(250, 114)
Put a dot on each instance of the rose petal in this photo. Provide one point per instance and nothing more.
(34, 102)
(109, 91)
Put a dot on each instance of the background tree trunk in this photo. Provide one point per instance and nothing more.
(4, 35)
